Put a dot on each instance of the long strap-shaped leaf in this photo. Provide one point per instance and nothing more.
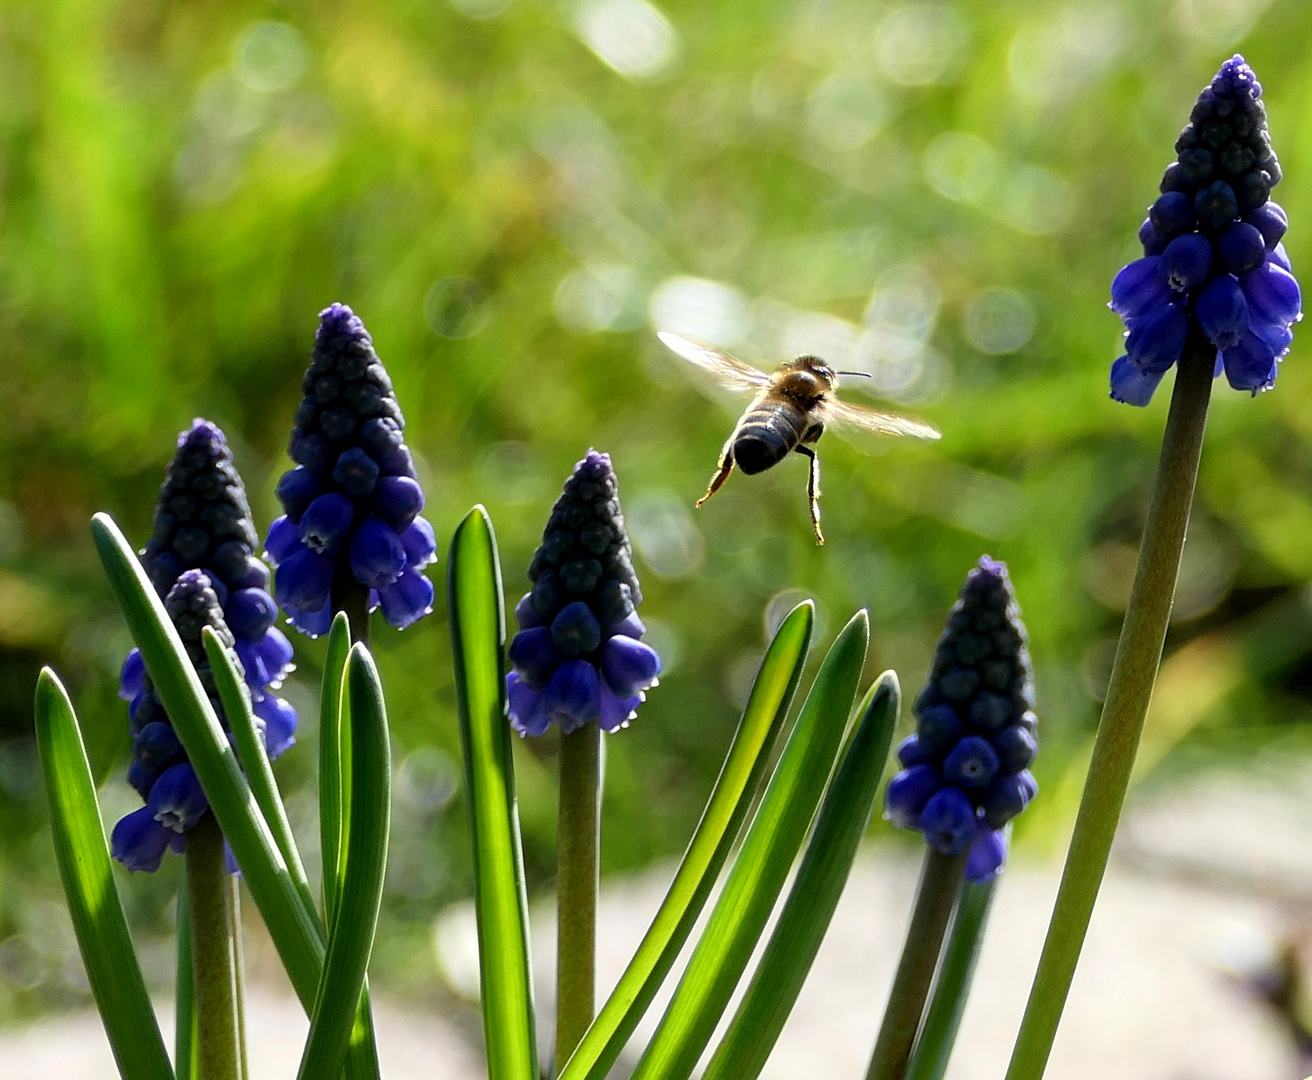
(762, 720)
(332, 766)
(93, 900)
(255, 760)
(478, 635)
(762, 864)
(355, 919)
(299, 941)
(811, 901)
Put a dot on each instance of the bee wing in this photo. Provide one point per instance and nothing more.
(844, 414)
(727, 370)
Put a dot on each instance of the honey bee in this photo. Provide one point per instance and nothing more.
(789, 411)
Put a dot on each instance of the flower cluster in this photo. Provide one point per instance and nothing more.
(1213, 264)
(201, 560)
(965, 770)
(352, 503)
(577, 656)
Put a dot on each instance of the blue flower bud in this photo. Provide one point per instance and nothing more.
(575, 630)
(177, 801)
(910, 752)
(988, 851)
(377, 555)
(1152, 243)
(356, 473)
(628, 665)
(948, 821)
(535, 655)
(304, 580)
(250, 613)
(284, 538)
(1216, 204)
(420, 543)
(1015, 747)
(573, 695)
(1222, 311)
(1186, 262)
(1006, 797)
(526, 615)
(279, 724)
(1172, 214)
(907, 794)
(1272, 295)
(938, 728)
(528, 713)
(326, 523)
(1157, 337)
(132, 676)
(1139, 287)
(1131, 384)
(297, 489)
(972, 763)
(1241, 247)
(406, 600)
(1250, 364)
(1271, 221)
(139, 841)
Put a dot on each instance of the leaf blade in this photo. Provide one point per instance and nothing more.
(93, 900)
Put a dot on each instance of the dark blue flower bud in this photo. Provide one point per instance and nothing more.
(1172, 214)
(176, 800)
(1131, 384)
(349, 438)
(1006, 797)
(304, 580)
(1186, 262)
(1157, 337)
(938, 728)
(1250, 364)
(907, 794)
(250, 613)
(377, 555)
(397, 499)
(1241, 247)
(1139, 287)
(1272, 294)
(132, 676)
(1222, 311)
(576, 630)
(1216, 204)
(988, 851)
(1015, 747)
(910, 752)
(284, 537)
(582, 605)
(279, 724)
(1152, 243)
(948, 821)
(1271, 221)
(139, 841)
(972, 763)
(326, 524)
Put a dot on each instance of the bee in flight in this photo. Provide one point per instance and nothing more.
(789, 411)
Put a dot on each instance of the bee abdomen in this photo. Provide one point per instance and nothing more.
(765, 436)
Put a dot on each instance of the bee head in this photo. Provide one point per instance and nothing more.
(814, 366)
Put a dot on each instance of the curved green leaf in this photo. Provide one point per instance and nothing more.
(843, 818)
(355, 920)
(943, 1017)
(186, 1062)
(93, 900)
(762, 864)
(762, 720)
(333, 759)
(478, 636)
(294, 930)
(254, 759)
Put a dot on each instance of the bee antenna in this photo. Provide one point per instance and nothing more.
(863, 374)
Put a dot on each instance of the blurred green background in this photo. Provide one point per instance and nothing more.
(514, 196)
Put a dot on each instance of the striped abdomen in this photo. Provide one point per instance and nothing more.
(767, 432)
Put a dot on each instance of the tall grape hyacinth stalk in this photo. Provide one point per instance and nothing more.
(351, 538)
(201, 560)
(965, 775)
(579, 663)
(1213, 293)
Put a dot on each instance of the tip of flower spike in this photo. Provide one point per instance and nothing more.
(594, 466)
(339, 320)
(1236, 77)
(203, 433)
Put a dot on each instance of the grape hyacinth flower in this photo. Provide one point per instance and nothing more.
(352, 502)
(201, 561)
(577, 656)
(965, 771)
(1214, 267)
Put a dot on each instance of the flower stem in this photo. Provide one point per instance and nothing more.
(214, 974)
(350, 596)
(1134, 671)
(940, 880)
(239, 970)
(943, 1018)
(577, 867)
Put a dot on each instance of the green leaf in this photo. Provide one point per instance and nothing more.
(811, 901)
(332, 759)
(355, 921)
(186, 1062)
(93, 900)
(478, 637)
(762, 864)
(295, 933)
(762, 720)
(957, 969)
(254, 759)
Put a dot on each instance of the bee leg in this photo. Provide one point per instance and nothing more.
(717, 481)
(813, 490)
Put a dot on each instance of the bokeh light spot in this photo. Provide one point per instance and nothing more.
(999, 321)
(919, 44)
(456, 307)
(270, 56)
(630, 36)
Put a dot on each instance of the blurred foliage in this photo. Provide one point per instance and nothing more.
(514, 196)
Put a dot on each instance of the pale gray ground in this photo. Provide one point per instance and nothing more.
(1202, 886)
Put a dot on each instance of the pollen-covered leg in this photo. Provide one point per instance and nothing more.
(717, 481)
(813, 490)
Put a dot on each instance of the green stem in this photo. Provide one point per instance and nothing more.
(239, 970)
(353, 598)
(184, 1031)
(577, 865)
(213, 972)
(940, 879)
(1134, 671)
(934, 1047)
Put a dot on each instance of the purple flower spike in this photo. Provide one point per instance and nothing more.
(964, 768)
(355, 479)
(578, 631)
(1213, 223)
(201, 559)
